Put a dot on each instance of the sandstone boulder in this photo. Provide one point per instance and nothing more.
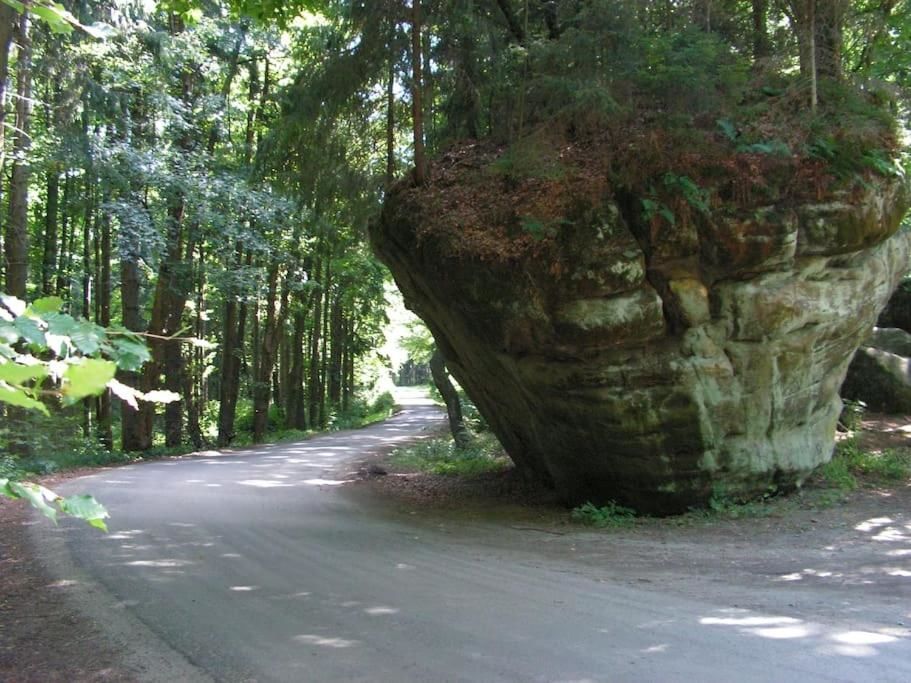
(880, 374)
(620, 356)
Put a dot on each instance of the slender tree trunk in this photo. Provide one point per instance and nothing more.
(460, 434)
(417, 106)
(324, 351)
(49, 259)
(229, 358)
(133, 436)
(16, 240)
(761, 47)
(8, 22)
(275, 314)
(105, 431)
(232, 359)
(63, 288)
(193, 393)
(337, 331)
(314, 373)
(347, 366)
(297, 405)
(390, 124)
(829, 21)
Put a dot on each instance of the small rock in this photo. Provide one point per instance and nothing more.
(375, 470)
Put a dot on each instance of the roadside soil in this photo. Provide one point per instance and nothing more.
(841, 551)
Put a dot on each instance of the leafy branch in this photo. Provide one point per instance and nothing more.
(45, 355)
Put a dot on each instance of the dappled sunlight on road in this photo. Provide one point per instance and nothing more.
(322, 641)
(825, 640)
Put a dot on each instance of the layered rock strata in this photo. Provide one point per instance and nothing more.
(622, 357)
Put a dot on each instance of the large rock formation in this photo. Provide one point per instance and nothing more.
(624, 350)
(880, 374)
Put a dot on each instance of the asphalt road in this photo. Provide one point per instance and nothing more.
(254, 566)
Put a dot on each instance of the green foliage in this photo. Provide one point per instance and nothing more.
(612, 515)
(851, 462)
(724, 505)
(58, 19)
(49, 504)
(362, 413)
(837, 473)
(852, 414)
(440, 456)
(45, 354)
(530, 158)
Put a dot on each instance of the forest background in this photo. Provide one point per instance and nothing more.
(201, 175)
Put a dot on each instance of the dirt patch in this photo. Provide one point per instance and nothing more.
(42, 637)
(822, 549)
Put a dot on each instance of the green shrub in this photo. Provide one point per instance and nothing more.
(611, 515)
(850, 461)
(243, 421)
(440, 456)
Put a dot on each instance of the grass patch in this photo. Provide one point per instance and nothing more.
(612, 515)
(440, 456)
(850, 464)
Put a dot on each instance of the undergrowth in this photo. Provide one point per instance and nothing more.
(440, 456)
(851, 465)
(612, 515)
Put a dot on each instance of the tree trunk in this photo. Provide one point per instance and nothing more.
(460, 434)
(87, 245)
(337, 331)
(8, 21)
(232, 357)
(63, 288)
(417, 107)
(269, 346)
(133, 436)
(829, 25)
(16, 241)
(390, 123)
(49, 257)
(105, 432)
(314, 374)
(296, 410)
(761, 47)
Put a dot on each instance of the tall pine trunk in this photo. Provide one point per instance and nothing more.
(49, 257)
(133, 436)
(16, 238)
(271, 333)
(105, 431)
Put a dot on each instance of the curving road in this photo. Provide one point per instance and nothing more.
(255, 566)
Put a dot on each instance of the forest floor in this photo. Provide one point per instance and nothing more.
(856, 544)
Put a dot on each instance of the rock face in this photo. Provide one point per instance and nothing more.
(620, 356)
(880, 374)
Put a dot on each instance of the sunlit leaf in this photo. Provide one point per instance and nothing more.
(202, 343)
(16, 373)
(125, 393)
(16, 306)
(49, 304)
(17, 397)
(130, 352)
(99, 30)
(161, 396)
(87, 336)
(37, 495)
(85, 507)
(88, 378)
(30, 331)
